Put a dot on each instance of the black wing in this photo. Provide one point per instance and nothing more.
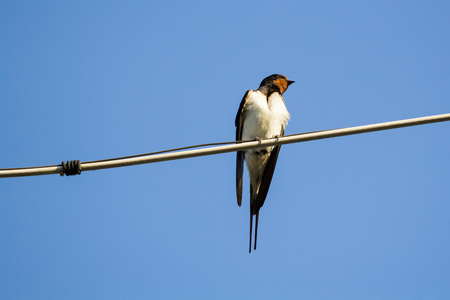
(240, 154)
(264, 188)
(267, 177)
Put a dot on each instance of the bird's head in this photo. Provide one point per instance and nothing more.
(276, 83)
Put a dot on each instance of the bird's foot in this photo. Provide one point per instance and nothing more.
(258, 139)
(276, 137)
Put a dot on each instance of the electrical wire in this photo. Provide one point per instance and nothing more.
(216, 148)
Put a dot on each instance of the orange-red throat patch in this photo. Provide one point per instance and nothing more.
(282, 85)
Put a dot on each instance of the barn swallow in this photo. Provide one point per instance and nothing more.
(262, 114)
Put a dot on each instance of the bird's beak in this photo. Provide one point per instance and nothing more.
(290, 82)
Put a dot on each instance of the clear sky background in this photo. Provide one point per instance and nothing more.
(358, 217)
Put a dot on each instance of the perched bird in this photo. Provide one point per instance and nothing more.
(262, 114)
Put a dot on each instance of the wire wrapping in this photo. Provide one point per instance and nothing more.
(71, 167)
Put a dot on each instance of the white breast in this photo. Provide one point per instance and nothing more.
(264, 118)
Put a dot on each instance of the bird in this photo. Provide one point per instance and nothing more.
(262, 114)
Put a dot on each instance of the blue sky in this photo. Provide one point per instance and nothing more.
(358, 217)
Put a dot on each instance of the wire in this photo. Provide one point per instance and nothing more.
(189, 147)
(222, 147)
(170, 150)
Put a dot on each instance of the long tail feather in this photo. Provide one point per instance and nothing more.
(250, 242)
(256, 227)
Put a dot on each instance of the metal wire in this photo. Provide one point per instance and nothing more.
(223, 147)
